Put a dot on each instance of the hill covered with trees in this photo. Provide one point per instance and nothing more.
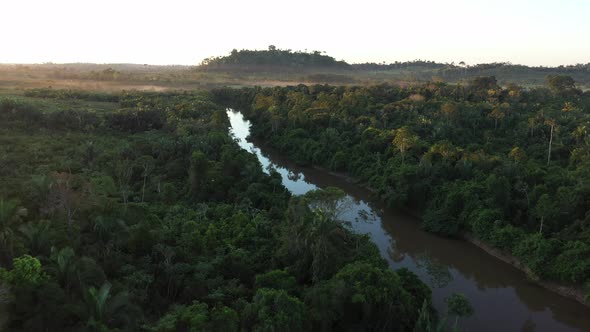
(273, 57)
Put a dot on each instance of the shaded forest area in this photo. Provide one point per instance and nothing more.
(507, 165)
(139, 212)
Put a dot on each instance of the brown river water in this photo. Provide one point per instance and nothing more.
(501, 295)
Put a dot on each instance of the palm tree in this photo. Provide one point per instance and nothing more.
(552, 124)
(36, 236)
(104, 307)
(497, 114)
(10, 215)
(64, 265)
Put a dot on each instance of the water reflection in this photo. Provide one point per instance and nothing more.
(503, 299)
(294, 181)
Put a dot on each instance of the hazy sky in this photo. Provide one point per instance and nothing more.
(534, 32)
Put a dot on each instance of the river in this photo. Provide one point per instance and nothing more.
(501, 295)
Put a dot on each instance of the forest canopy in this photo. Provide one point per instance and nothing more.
(508, 166)
(140, 212)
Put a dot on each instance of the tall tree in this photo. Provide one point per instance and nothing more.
(68, 194)
(11, 215)
(146, 163)
(123, 172)
(404, 140)
(544, 208)
(552, 125)
(496, 114)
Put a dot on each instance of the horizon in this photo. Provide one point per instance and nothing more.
(278, 48)
(531, 33)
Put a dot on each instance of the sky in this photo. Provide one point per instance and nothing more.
(531, 32)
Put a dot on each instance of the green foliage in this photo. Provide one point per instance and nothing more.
(573, 263)
(146, 213)
(537, 253)
(458, 306)
(191, 318)
(561, 84)
(26, 271)
(366, 296)
(330, 201)
(479, 165)
(275, 310)
(272, 57)
(276, 279)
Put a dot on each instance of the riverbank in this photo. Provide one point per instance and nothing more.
(449, 265)
(573, 293)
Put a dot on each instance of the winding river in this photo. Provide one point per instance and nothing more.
(503, 298)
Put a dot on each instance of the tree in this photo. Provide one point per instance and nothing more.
(64, 266)
(331, 201)
(426, 324)
(198, 173)
(103, 307)
(449, 110)
(562, 85)
(218, 118)
(364, 296)
(517, 154)
(568, 107)
(36, 236)
(459, 306)
(123, 172)
(532, 124)
(404, 140)
(276, 279)
(544, 208)
(89, 153)
(580, 133)
(146, 163)
(552, 125)
(26, 270)
(446, 149)
(67, 194)
(11, 215)
(275, 310)
(484, 83)
(275, 118)
(192, 317)
(497, 114)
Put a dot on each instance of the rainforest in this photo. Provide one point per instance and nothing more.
(141, 202)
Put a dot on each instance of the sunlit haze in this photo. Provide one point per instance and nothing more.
(532, 32)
